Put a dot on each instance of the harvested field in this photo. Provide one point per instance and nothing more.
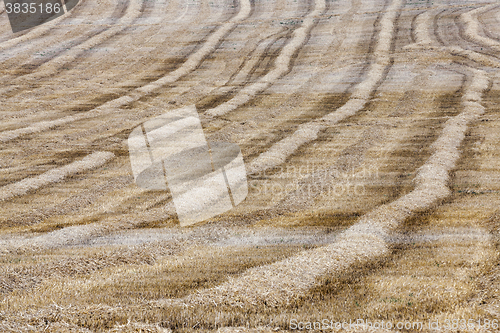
(370, 133)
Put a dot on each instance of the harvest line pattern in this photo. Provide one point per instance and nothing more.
(393, 98)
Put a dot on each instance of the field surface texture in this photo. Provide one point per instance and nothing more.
(370, 134)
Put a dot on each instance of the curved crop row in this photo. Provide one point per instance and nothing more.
(35, 32)
(282, 64)
(22, 187)
(191, 64)
(308, 132)
(423, 25)
(284, 281)
(472, 27)
(133, 12)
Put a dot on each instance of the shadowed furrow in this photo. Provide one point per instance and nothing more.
(191, 64)
(285, 281)
(55, 175)
(308, 132)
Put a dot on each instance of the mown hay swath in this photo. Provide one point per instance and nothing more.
(281, 65)
(133, 12)
(308, 132)
(472, 27)
(285, 281)
(191, 64)
(22, 187)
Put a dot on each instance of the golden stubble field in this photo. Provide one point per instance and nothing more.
(370, 133)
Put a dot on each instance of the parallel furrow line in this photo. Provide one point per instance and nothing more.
(423, 32)
(22, 187)
(54, 65)
(282, 64)
(35, 32)
(472, 27)
(285, 281)
(191, 64)
(308, 132)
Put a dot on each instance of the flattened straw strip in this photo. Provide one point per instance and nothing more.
(281, 65)
(191, 64)
(472, 27)
(284, 281)
(22, 187)
(308, 132)
(133, 12)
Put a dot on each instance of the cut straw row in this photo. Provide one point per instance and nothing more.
(472, 27)
(26, 185)
(423, 28)
(284, 281)
(191, 64)
(281, 65)
(33, 33)
(134, 11)
(308, 132)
